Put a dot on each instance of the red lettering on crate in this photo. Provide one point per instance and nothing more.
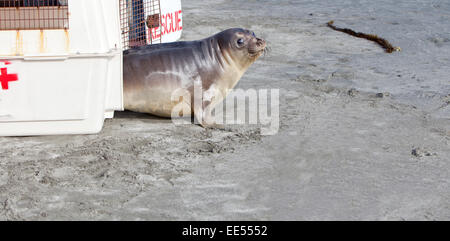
(169, 23)
(178, 20)
(171, 29)
(5, 78)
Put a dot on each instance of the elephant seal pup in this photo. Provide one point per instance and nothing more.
(185, 78)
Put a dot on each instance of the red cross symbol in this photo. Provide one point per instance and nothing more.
(5, 78)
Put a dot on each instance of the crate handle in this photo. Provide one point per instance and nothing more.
(46, 58)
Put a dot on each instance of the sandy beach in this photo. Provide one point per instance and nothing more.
(363, 135)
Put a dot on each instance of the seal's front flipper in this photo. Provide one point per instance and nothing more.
(203, 116)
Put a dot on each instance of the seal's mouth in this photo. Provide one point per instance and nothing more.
(258, 48)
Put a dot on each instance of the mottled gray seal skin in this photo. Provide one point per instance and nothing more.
(154, 74)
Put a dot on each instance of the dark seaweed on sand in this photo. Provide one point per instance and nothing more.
(380, 41)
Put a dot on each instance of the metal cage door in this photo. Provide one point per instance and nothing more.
(137, 19)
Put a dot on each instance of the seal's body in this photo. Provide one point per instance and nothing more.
(155, 74)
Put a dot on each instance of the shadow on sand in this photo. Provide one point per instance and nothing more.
(143, 117)
(140, 116)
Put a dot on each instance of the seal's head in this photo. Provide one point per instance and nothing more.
(242, 45)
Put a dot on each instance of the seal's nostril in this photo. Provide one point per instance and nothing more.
(259, 42)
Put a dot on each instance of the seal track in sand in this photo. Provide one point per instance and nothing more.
(380, 41)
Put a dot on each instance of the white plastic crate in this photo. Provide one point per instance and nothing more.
(61, 70)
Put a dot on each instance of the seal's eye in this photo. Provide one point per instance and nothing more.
(240, 41)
